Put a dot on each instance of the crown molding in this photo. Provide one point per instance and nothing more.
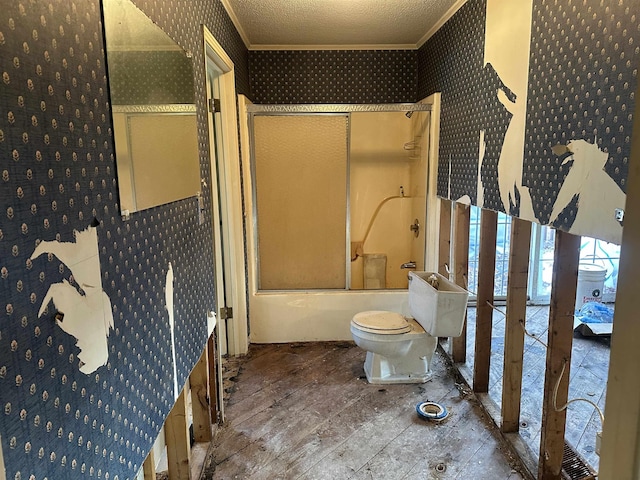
(407, 46)
(236, 23)
(450, 13)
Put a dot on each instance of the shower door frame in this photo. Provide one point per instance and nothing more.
(278, 316)
(254, 210)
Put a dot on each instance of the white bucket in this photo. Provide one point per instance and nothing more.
(590, 283)
(375, 271)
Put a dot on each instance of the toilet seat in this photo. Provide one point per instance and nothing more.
(381, 322)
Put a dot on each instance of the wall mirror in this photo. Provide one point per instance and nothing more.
(154, 116)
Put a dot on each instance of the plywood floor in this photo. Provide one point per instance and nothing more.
(306, 411)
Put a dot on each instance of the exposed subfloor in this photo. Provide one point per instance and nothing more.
(306, 411)
(588, 379)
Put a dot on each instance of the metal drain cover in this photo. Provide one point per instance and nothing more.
(574, 467)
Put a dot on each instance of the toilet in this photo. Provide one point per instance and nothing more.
(400, 349)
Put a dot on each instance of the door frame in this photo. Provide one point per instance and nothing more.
(232, 235)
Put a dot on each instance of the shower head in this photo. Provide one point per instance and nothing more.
(409, 113)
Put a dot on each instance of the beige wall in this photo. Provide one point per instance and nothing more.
(380, 165)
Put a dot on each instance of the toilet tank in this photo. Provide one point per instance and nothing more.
(440, 311)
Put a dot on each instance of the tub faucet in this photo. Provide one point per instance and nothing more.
(409, 265)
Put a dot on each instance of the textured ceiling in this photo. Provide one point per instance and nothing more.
(268, 24)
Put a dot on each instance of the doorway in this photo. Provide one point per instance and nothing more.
(231, 332)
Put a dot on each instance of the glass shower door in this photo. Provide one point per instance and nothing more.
(301, 165)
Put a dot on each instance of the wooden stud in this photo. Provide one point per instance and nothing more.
(199, 404)
(519, 249)
(484, 312)
(149, 466)
(444, 254)
(462, 217)
(213, 378)
(563, 298)
(177, 439)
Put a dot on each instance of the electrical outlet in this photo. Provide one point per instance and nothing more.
(619, 214)
(598, 442)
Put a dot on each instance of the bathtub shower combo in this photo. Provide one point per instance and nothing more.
(339, 197)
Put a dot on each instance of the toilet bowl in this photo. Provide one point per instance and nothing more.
(399, 349)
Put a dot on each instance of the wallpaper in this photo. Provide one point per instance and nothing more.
(451, 62)
(333, 76)
(582, 83)
(563, 159)
(150, 78)
(101, 317)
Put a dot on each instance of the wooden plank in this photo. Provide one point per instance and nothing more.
(461, 268)
(213, 379)
(199, 403)
(149, 466)
(444, 254)
(484, 312)
(520, 244)
(177, 439)
(354, 429)
(563, 297)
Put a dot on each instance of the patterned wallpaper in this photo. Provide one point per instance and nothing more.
(333, 76)
(58, 185)
(65, 252)
(451, 62)
(148, 78)
(581, 86)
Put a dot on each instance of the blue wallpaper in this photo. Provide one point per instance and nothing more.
(333, 76)
(451, 62)
(58, 179)
(148, 78)
(581, 86)
(583, 75)
(61, 417)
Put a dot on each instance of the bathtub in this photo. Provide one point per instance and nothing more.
(316, 315)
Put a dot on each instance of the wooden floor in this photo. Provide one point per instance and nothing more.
(588, 379)
(306, 411)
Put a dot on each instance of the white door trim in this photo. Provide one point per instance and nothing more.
(233, 242)
(432, 227)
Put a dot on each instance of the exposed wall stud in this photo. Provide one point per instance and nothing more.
(484, 312)
(519, 248)
(563, 297)
(461, 269)
(444, 254)
(177, 439)
(213, 375)
(149, 466)
(199, 403)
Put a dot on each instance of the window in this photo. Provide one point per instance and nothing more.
(595, 251)
(502, 252)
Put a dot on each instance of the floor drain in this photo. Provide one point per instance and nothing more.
(441, 467)
(574, 467)
(524, 424)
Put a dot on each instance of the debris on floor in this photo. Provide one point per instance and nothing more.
(230, 370)
(593, 319)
